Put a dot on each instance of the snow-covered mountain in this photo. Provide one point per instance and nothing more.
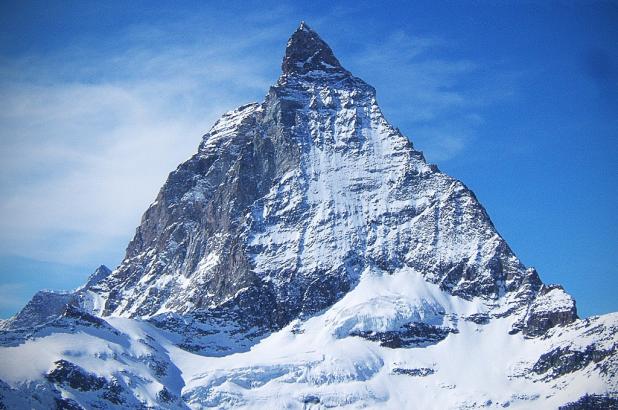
(309, 257)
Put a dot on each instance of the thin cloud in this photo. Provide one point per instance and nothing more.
(84, 154)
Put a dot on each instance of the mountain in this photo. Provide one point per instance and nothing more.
(307, 256)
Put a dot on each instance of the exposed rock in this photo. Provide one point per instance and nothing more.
(415, 334)
(478, 318)
(165, 396)
(419, 372)
(592, 402)
(67, 373)
(310, 399)
(46, 305)
(97, 276)
(561, 361)
(67, 404)
(43, 307)
(551, 307)
(82, 317)
(307, 52)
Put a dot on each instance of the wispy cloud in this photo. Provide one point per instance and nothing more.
(87, 138)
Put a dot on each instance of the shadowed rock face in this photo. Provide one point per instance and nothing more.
(552, 307)
(306, 52)
(592, 402)
(71, 376)
(287, 201)
(75, 377)
(561, 361)
(410, 335)
(97, 276)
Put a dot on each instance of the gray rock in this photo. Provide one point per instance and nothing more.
(593, 402)
(416, 372)
(97, 276)
(410, 335)
(552, 307)
(75, 377)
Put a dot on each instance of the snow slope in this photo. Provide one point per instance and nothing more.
(319, 362)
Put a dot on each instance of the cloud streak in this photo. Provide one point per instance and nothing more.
(83, 154)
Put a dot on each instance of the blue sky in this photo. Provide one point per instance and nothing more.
(100, 100)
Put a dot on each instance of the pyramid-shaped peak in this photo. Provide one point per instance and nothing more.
(306, 52)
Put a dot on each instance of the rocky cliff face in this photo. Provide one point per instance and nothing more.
(309, 237)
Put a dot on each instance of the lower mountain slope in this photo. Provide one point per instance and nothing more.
(394, 341)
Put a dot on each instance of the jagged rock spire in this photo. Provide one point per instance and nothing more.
(306, 52)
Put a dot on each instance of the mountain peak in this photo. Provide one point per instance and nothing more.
(98, 275)
(306, 52)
